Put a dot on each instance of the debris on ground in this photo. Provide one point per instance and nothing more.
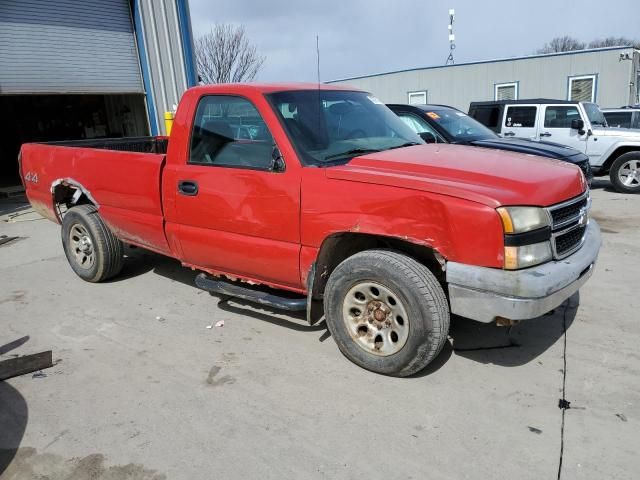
(220, 323)
(621, 416)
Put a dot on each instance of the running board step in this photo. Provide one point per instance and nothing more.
(262, 297)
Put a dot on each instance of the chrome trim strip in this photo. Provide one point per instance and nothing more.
(570, 201)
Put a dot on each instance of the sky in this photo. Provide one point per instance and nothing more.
(361, 37)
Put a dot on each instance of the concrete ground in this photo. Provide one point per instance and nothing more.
(144, 390)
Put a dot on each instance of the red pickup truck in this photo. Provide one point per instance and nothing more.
(320, 198)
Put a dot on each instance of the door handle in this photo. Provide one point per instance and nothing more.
(509, 134)
(545, 134)
(187, 187)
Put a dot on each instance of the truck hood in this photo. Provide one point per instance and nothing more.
(624, 133)
(544, 149)
(489, 177)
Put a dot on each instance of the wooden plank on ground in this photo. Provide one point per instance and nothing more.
(14, 367)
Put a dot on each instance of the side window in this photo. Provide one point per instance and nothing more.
(560, 117)
(636, 121)
(520, 117)
(228, 131)
(618, 119)
(418, 125)
(488, 116)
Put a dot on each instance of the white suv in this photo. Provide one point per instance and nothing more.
(580, 125)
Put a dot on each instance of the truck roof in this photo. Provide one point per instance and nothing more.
(272, 87)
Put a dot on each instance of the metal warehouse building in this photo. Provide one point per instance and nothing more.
(607, 76)
(72, 69)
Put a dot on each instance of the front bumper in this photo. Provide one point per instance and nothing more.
(482, 293)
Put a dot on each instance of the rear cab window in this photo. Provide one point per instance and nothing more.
(520, 121)
(520, 117)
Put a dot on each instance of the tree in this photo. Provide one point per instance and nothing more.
(614, 42)
(225, 55)
(562, 44)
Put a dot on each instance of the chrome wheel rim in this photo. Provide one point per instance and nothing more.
(376, 318)
(629, 173)
(82, 246)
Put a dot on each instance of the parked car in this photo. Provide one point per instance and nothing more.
(623, 117)
(443, 124)
(333, 203)
(581, 125)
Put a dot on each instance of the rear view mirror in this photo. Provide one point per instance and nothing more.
(428, 137)
(577, 124)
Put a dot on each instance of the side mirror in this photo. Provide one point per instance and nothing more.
(578, 124)
(428, 137)
(277, 162)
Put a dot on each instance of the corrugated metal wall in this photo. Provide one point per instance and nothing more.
(67, 46)
(167, 67)
(542, 76)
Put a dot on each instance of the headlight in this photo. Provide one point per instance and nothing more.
(523, 219)
(527, 255)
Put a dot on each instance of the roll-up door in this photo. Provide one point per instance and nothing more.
(67, 46)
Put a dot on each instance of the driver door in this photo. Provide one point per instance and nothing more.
(235, 214)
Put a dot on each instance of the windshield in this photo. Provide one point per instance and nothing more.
(334, 126)
(461, 127)
(595, 116)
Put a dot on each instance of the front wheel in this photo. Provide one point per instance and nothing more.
(387, 312)
(625, 173)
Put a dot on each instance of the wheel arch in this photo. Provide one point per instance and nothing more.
(67, 192)
(340, 246)
(615, 154)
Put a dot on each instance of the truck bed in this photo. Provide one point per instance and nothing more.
(129, 144)
(122, 176)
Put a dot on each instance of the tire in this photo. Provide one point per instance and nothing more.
(92, 250)
(405, 288)
(625, 173)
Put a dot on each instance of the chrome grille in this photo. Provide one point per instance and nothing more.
(569, 224)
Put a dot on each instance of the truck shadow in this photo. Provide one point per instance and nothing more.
(14, 414)
(480, 342)
(602, 183)
(14, 205)
(511, 346)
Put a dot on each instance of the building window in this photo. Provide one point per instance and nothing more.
(417, 98)
(582, 89)
(506, 91)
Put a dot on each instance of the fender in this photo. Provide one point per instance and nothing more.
(607, 154)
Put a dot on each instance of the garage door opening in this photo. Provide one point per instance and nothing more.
(45, 118)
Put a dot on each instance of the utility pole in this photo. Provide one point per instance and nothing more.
(452, 38)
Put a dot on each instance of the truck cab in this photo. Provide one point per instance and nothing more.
(580, 125)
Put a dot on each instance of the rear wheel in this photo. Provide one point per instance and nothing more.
(387, 312)
(625, 173)
(93, 251)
